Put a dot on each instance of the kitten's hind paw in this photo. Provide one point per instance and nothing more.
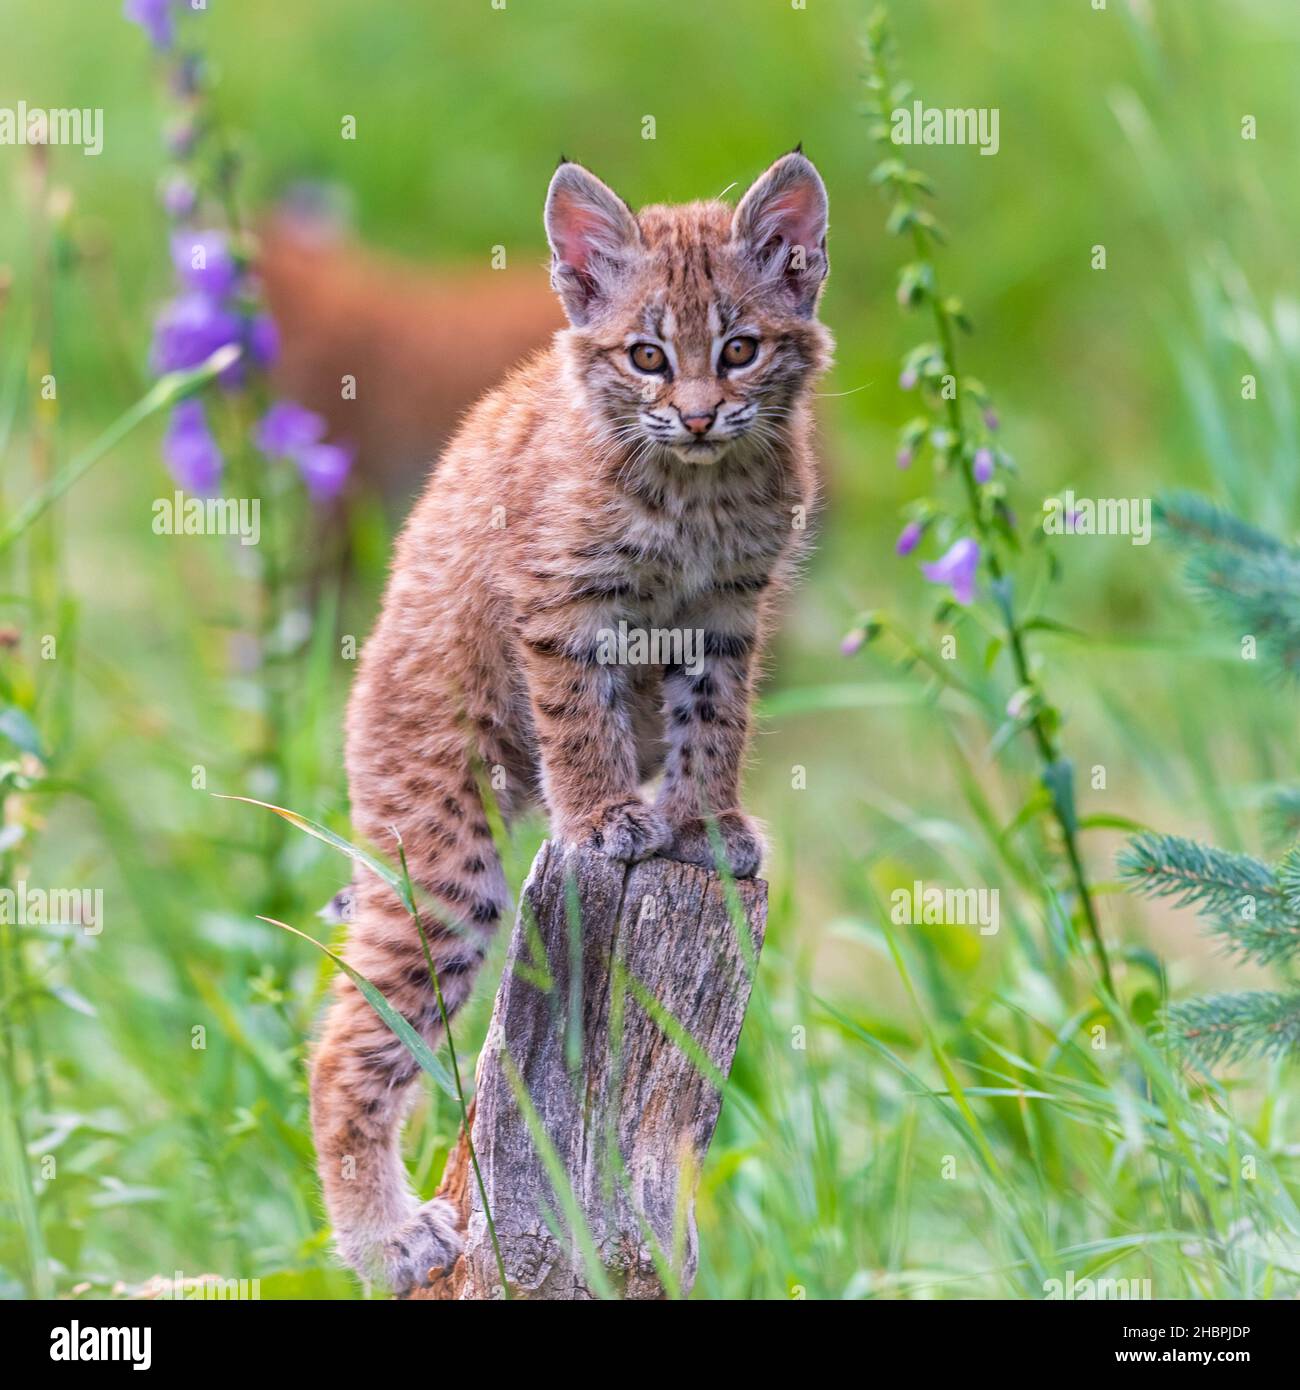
(627, 830)
(429, 1240)
(741, 843)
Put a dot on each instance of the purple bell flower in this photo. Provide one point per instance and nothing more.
(287, 428)
(189, 330)
(983, 465)
(909, 538)
(324, 468)
(956, 568)
(263, 340)
(189, 449)
(204, 261)
(155, 18)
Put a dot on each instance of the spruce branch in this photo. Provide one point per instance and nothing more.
(1288, 878)
(1245, 576)
(1252, 580)
(1219, 1029)
(1282, 815)
(1188, 519)
(1195, 875)
(1245, 902)
(1257, 594)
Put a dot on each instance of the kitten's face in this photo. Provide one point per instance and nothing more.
(693, 327)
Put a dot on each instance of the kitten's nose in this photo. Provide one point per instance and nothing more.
(699, 424)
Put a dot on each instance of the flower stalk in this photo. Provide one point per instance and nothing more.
(235, 435)
(971, 452)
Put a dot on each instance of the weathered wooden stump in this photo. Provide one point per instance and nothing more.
(619, 1011)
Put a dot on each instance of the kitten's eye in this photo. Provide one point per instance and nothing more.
(647, 357)
(739, 352)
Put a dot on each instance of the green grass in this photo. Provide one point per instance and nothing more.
(914, 1112)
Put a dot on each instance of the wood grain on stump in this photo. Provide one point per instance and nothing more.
(618, 1014)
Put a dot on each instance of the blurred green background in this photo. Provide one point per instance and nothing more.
(1120, 128)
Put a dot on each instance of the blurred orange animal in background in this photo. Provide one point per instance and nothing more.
(421, 344)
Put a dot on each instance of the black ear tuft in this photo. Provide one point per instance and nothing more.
(563, 159)
(798, 149)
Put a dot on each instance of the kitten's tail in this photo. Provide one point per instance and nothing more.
(362, 1074)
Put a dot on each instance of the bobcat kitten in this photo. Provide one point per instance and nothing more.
(653, 467)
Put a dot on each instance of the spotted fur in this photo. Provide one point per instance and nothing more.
(582, 493)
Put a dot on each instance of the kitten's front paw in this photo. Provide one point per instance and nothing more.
(627, 830)
(431, 1239)
(742, 843)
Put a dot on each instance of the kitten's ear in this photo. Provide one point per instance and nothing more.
(593, 235)
(781, 224)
